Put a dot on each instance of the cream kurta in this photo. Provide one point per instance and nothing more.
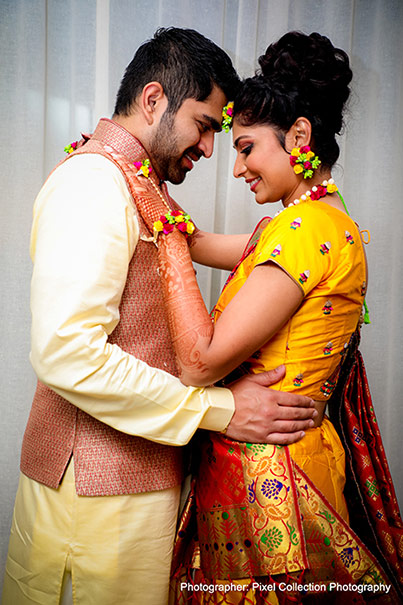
(75, 297)
(70, 352)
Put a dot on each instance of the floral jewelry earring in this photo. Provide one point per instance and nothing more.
(304, 161)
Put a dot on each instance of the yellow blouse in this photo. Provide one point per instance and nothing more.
(320, 248)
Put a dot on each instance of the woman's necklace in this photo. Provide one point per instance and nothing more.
(313, 194)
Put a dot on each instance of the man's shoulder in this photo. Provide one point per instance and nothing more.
(90, 161)
(81, 176)
(86, 168)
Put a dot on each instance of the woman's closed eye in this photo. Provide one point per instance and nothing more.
(246, 150)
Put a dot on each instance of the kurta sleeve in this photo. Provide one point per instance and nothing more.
(84, 234)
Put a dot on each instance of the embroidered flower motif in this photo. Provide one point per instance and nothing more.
(276, 251)
(271, 488)
(296, 223)
(347, 556)
(257, 448)
(71, 147)
(298, 380)
(325, 248)
(349, 237)
(327, 307)
(328, 348)
(363, 288)
(303, 277)
(272, 538)
(227, 114)
(144, 168)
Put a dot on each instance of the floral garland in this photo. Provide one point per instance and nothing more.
(170, 220)
(71, 147)
(144, 168)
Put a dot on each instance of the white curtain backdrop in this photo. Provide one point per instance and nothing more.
(60, 65)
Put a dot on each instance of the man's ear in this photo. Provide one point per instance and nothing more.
(153, 102)
(299, 134)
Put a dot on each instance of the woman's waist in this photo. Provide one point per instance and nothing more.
(314, 378)
(320, 406)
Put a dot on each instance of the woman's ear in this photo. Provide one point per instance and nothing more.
(153, 102)
(299, 134)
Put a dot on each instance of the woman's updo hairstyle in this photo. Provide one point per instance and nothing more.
(299, 75)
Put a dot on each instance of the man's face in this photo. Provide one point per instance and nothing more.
(181, 139)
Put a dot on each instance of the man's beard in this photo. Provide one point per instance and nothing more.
(164, 151)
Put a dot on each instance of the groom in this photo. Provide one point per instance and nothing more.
(100, 481)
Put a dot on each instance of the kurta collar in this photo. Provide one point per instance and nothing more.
(116, 136)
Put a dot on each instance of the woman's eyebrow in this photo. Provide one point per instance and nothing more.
(236, 142)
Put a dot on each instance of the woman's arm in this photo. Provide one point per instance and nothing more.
(217, 250)
(207, 352)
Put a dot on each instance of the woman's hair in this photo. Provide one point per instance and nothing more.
(299, 75)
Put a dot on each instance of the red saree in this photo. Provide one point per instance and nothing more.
(281, 532)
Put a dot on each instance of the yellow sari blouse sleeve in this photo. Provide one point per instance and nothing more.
(303, 242)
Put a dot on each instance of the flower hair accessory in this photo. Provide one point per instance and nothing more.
(227, 114)
(71, 147)
(304, 161)
(170, 220)
(144, 168)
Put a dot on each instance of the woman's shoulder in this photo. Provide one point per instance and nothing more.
(300, 231)
(315, 217)
(303, 218)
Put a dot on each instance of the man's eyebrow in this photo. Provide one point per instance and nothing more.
(214, 125)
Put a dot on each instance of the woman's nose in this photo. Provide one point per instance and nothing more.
(239, 167)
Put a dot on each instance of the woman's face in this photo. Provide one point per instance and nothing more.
(263, 163)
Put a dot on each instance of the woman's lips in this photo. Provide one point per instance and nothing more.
(253, 183)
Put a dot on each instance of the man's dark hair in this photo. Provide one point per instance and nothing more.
(184, 62)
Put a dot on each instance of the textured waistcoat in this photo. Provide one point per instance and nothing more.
(106, 461)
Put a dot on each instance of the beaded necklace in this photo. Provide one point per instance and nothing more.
(313, 194)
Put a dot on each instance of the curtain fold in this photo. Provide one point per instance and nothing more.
(61, 64)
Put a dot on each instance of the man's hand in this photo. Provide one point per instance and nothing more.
(264, 415)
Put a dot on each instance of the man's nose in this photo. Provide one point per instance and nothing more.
(206, 143)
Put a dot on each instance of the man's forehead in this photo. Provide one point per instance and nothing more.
(210, 109)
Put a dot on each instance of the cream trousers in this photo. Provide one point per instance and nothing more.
(116, 548)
